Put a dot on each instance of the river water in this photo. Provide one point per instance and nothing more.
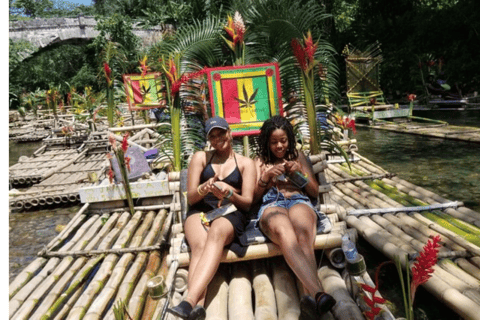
(446, 167)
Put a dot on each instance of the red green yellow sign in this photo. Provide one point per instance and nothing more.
(144, 92)
(245, 96)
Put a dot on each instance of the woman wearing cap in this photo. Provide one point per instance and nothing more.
(287, 216)
(215, 178)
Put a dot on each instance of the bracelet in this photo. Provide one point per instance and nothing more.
(199, 190)
(264, 182)
(230, 193)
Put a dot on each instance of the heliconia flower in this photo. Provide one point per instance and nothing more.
(239, 26)
(143, 66)
(184, 78)
(127, 163)
(110, 175)
(423, 267)
(412, 97)
(310, 47)
(111, 139)
(125, 142)
(235, 28)
(108, 72)
(367, 288)
(299, 53)
(350, 123)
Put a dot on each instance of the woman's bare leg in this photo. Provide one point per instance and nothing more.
(276, 224)
(304, 222)
(197, 237)
(220, 234)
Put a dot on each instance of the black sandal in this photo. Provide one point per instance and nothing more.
(182, 310)
(324, 302)
(198, 313)
(308, 308)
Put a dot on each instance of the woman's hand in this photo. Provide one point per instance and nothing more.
(273, 172)
(292, 166)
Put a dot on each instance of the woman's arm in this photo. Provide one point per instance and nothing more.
(197, 164)
(312, 186)
(265, 177)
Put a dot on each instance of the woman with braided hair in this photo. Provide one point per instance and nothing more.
(287, 216)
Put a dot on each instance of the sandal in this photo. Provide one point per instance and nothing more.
(198, 313)
(182, 310)
(324, 302)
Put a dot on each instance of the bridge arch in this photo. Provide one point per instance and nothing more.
(43, 32)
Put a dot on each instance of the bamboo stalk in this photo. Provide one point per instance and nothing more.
(96, 285)
(468, 267)
(265, 250)
(452, 268)
(240, 294)
(216, 301)
(333, 284)
(288, 304)
(62, 313)
(265, 303)
(25, 275)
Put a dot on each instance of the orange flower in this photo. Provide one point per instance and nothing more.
(235, 28)
(143, 66)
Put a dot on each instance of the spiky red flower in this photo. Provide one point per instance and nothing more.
(184, 78)
(350, 123)
(127, 163)
(108, 72)
(412, 97)
(125, 142)
(299, 53)
(423, 267)
(143, 66)
(310, 47)
(110, 175)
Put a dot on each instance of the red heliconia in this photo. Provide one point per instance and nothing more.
(108, 72)
(423, 268)
(125, 142)
(412, 97)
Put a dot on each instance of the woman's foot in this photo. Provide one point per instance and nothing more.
(182, 310)
(198, 313)
(324, 302)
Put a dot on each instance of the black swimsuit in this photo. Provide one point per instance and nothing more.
(237, 219)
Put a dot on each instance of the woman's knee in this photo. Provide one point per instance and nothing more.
(220, 234)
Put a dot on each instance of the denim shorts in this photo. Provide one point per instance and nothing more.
(274, 198)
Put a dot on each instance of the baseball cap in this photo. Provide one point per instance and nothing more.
(215, 122)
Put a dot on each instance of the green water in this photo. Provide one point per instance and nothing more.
(449, 168)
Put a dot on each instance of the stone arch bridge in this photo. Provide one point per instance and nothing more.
(45, 32)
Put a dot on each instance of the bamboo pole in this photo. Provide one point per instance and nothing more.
(468, 267)
(100, 303)
(265, 250)
(83, 303)
(89, 240)
(151, 303)
(288, 304)
(333, 284)
(62, 313)
(77, 282)
(265, 303)
(449, 266)
(240, 294)
(216, 301)
(25, 275)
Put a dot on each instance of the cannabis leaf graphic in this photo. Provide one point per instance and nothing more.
(247, 102)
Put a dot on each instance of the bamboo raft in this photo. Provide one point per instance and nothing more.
(380, 210)
(444, 131)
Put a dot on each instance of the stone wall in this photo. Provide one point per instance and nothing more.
(43, 32)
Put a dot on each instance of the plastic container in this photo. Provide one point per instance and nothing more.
(349, 249)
